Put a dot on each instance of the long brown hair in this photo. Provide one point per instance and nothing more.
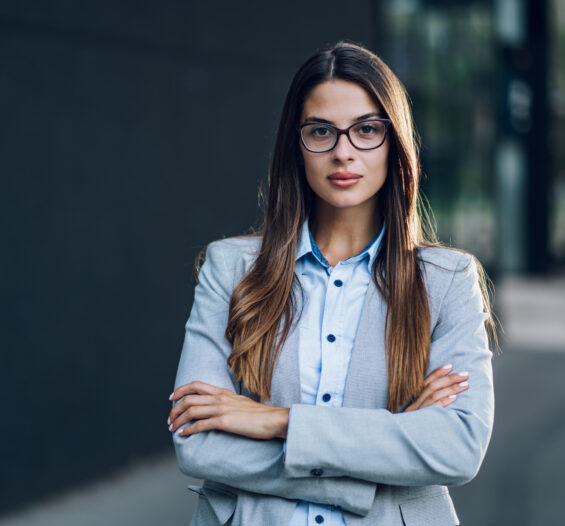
(263, 304)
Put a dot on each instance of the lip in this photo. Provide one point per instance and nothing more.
(344, 179)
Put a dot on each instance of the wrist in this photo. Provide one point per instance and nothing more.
(281, 422)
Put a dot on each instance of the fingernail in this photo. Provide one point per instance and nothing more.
(463, 384)
(463, 373)
(448, 366)
(171, 427)
(169, 421)
(171, 397)
(452, 397)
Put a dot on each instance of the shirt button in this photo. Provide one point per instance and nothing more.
(317, 472)
(327, 397)
(319, 519)
(338, 283)
(331, 338)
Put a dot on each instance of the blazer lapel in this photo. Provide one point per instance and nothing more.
(366, 384)
(285, 386)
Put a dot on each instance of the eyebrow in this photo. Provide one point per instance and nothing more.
(360, 118)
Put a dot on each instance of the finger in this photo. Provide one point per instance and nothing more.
(442, 394)
(438, 373)
(416, 404)
(429, 381)
(188, 401)
(444, 402)
(441, 383)
(195, 387)
(207, 424)
(197, 412)
(443, 397)
(446, 381)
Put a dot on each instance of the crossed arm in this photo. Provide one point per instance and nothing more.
(236, 441)
(213, 408)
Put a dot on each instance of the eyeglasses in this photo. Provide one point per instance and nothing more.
(320, 137)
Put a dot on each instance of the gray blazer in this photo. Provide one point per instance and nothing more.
(378, 468)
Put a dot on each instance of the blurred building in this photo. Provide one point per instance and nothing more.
(486, 81)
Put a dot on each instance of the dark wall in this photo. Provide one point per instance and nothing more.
(132, 133)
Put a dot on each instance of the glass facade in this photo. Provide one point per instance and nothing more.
(444, 55)
(472, 70)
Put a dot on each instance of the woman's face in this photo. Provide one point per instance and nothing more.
(344, 177)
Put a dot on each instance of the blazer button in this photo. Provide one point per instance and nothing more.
(316, 472)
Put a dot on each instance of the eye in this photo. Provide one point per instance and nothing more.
(367, 129)
(320, 131)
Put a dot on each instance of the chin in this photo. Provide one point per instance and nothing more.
(343, 204)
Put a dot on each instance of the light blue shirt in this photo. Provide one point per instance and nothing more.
(333, 300)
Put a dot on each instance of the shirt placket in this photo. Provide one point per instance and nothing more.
(330, 392)
(326, 515)
(330, 388)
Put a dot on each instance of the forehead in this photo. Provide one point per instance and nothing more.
(338, 101)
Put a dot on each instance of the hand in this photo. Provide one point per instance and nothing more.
(212, 407)
(440, 388)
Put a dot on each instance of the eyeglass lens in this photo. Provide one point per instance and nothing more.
(366, 135)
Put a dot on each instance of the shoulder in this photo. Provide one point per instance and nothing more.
(440, 265)
(234, 250)
(448, 273)
(444, 258)
(229, 259)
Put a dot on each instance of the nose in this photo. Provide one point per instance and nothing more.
(343, 150)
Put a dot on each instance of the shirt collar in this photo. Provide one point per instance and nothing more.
(306, 245)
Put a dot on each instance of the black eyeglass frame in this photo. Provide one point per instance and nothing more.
(340, 132)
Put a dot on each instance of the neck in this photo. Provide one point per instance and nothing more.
(341, 233)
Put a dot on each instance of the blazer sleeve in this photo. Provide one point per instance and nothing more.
(240, 462)
(434, 445)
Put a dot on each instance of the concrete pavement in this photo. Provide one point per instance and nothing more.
(151, 493)
(532, 313)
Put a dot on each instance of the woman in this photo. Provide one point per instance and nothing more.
(301, 395)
